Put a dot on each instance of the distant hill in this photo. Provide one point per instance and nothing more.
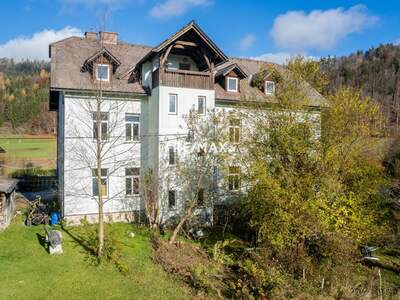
(24, 89)
(376, 72)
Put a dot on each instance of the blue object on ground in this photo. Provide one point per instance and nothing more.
(54, 218)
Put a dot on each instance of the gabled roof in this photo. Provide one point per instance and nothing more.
(191, 26)
(106, 53)
(229, 68)
(69, 55)
(250, 93)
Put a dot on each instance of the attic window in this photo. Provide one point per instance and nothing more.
(269, 87)
(103, 72)
(231, 84)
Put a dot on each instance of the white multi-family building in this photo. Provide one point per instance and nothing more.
(145, 92)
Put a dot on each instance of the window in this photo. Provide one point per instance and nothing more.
(103, 72)
(183, 66)
(269, 87)
(234, 178)
(171, 199)
(171, 156)
(103, 183)
(173, 99)
(200, 197)
(103, 119)
(201, 105)
(132, 181)
(234, 131)
(232, 84)
(132, 124)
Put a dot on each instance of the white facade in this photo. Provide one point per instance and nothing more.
(192, 73)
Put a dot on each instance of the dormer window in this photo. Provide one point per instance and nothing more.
(269, 87)
(232, 84)
(103, 72)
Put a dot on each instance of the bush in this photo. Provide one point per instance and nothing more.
(112, 251)
(34, 171)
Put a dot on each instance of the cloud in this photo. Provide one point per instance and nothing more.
(281, 57)
(173, 8)
(36, 46)
(247, 41)
(321, 29)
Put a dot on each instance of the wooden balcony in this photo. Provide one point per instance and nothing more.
(182, 78)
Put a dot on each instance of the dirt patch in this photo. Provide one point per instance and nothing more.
(178, 258)
(192, 264)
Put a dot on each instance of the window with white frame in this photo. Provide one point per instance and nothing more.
(132, 127)
(269, 87)
(201, 105)
(232, 84)
(103, 182)
(103, 72)
(234, 131)
(132, 181)
(101, 118)
(171, 199)
(234, 178)
(173, 104)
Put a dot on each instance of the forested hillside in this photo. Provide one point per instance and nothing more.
(375, 72)
(24, 97)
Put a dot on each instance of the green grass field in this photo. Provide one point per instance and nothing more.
(23, 151)
(27, 271)
(29, 148)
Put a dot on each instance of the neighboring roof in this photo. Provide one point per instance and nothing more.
(230, 67)
(7, 185)
(69, 55)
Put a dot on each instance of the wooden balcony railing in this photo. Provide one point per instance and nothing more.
(181, 78)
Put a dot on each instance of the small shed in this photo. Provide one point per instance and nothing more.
(7, 200)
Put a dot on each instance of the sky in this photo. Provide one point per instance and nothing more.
(264, 29)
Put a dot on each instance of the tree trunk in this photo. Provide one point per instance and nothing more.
(178, 228)
(99, 187)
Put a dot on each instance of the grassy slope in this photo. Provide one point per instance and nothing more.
(27, 148)
(27, 271)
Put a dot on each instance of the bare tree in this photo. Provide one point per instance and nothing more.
(195, 173)
(149, 193)
(102, 142)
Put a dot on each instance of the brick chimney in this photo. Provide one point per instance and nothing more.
(90, 35)
(109, 37)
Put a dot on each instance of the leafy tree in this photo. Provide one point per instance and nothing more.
(310, 71)
(306, 195)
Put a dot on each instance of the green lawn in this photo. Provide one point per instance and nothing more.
(29, 148)
(27, 271)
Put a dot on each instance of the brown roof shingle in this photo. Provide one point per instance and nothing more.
(69, 55)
